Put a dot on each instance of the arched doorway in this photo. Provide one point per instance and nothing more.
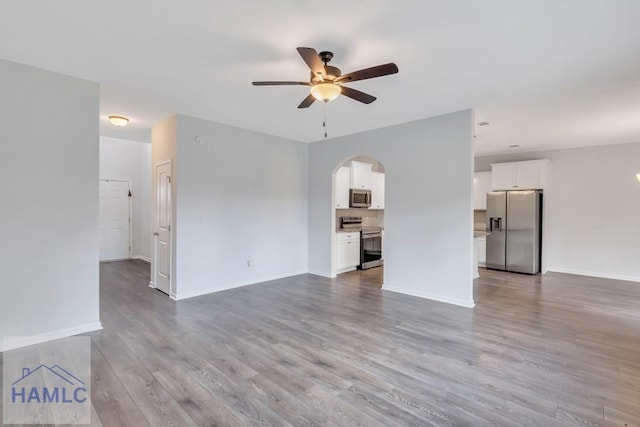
(357, 218)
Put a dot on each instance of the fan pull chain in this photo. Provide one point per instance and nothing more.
(324, 123)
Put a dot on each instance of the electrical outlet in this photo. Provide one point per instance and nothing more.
(248, 263)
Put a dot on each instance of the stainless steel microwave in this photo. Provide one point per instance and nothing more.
(359, 198)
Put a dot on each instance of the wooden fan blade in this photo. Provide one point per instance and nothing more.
(307, 101)
(369, 73)
(311, 58)
(280, 83)
(357, 95)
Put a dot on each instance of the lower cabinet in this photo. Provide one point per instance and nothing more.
(482, 251)
(347, 251)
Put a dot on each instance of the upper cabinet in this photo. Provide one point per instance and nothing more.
(342, 188)
(377, 190)
(529, 175)
(481, 186)
(361, 175)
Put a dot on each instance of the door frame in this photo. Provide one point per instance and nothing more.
(154, 279)
(128, 181)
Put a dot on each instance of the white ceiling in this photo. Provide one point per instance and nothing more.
(544, 73)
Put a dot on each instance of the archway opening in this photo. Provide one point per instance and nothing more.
(357, 219)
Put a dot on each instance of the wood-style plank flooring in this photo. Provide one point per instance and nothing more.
(369, 277)
(552, 350)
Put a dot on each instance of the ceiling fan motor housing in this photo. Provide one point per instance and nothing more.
(326, 56)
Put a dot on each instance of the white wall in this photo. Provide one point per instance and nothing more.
(240, 196)
(428, 211)
(49, 213)
(593, 209)
(123, 159)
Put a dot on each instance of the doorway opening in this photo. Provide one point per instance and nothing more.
(357, 219)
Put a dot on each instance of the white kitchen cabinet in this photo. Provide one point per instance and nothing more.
(502, 176)
(481, 186)
(529, 175)
(377, 190)
(343, 175)
(347, 251)
(479, 254)
(476, 274)
(361, 175)
(482, 250)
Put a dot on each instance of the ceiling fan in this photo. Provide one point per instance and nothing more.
(327, 82)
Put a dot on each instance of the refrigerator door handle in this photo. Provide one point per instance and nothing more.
(495, 224)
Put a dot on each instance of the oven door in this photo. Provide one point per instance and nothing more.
(370, 250)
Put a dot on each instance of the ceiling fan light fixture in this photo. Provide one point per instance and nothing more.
(119, 121)
(325, 91)
(326, 81)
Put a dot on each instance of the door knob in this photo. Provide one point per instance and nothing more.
(156, 234)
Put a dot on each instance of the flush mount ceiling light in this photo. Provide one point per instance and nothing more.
(638, 177)
(118, 120)
(325, 91)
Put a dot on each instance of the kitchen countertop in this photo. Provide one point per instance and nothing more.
(479, 233)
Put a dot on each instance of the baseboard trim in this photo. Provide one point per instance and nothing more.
(143, 258)
(433, 297)
(594, 274)
(346, 270)
(12, 343)
(152, 285)
(322, 274)
(200, 292)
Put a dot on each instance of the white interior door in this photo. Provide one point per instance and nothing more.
(114, 220)
(162, 232)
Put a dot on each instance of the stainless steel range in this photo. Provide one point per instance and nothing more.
(370, 247)
(370, 241)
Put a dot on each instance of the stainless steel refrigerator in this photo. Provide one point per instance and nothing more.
(514, 227)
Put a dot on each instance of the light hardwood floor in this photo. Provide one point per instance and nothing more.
(553, 350)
